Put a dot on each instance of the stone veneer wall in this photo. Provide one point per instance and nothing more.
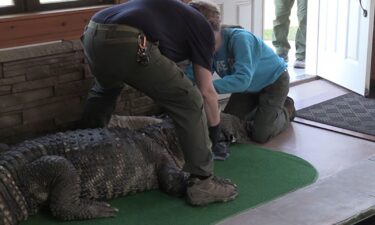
(43, 89)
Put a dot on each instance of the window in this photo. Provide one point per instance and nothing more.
(21, 6)
(6, 3)
(53, 1)
(9, 7)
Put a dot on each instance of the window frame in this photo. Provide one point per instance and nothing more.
(18, 7)
(36, 6)
(26, 6)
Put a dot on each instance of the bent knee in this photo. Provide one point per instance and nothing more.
(261, 137)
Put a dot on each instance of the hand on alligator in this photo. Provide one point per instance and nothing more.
(221, 151)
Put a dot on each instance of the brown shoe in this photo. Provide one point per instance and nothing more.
(210, 190)
(289, 105)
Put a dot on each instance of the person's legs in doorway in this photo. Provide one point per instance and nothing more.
(301, 34)
(281, 27)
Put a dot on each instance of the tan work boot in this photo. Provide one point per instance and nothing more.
(289, 105)
(213, 189)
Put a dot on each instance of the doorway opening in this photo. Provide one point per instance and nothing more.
(296, 75)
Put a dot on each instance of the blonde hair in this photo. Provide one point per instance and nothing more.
(209, 10)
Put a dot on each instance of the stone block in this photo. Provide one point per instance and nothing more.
(74, 76)
(38, 72)
(19, 133)
(51, 111)
(5, 90)
(10, 120)
(25, 97)
(14, 73)
(37, 103)
(36, 84)
(67, 67)
(35, 51)
(74, 87)
(11, 67)
(13, 108)
(12, 80)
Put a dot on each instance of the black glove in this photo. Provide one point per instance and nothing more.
(214, 133)
(220, 149)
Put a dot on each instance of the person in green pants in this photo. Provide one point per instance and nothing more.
(139, 43)
(281, 30)
(257, 80)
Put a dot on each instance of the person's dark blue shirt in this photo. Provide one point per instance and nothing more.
(182, 32)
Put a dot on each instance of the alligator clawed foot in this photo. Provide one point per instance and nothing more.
(96, 209)
(86, 209)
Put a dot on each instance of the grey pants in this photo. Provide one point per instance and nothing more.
(264, 111)
(111, 51)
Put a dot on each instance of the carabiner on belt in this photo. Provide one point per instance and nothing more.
(142, 56)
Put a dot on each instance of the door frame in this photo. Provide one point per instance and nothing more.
(312, 40)
(257, 9)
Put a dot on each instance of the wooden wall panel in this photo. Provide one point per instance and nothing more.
(44, 27)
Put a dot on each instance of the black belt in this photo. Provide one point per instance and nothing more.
(113, 27)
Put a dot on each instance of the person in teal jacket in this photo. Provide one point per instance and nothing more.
(257, 80)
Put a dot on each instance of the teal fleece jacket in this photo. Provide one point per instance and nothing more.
(244, 63)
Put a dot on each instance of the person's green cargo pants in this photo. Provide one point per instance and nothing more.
(264, 111)
(111, 51)
(281, 27)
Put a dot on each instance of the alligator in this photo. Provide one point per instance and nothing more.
(72, 173)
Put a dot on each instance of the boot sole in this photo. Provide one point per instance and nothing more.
(215, 201)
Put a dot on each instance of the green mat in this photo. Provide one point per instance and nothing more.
(261, 175)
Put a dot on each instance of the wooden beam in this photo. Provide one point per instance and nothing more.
(42, 27)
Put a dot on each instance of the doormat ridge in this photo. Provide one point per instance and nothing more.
(350, 111)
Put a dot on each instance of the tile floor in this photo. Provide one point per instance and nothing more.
(329, 152)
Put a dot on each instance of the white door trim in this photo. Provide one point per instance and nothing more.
(312, 40)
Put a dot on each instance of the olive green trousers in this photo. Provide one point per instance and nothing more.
(111, 51)
(264, 111)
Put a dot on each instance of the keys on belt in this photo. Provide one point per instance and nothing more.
(143, 57)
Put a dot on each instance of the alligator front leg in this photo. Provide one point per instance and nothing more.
(55, 179)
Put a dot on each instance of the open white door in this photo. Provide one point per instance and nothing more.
(339, 42)
(247, 13)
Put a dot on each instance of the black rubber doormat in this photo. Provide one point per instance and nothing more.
(354, 114)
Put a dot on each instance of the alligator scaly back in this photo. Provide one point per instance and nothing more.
(13, 207)
(69, 172)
